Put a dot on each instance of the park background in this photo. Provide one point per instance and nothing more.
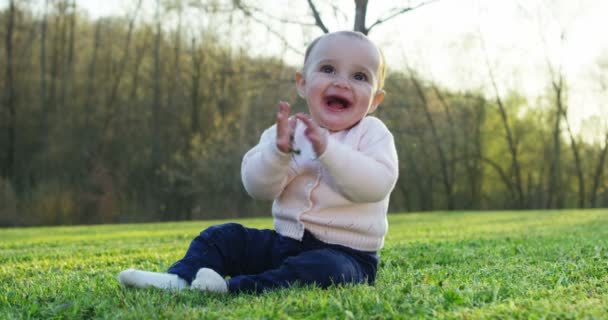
(142, 110)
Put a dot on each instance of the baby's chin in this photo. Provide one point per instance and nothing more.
(335, 127)
(333, 121)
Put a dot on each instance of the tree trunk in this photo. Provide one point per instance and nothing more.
(195, 108)
(514, 154)
(174, 84)
(360, 15)
(406, 203)
(43, 29)
(60, 59)
(473, 152)
(512, 145)
(451, 133)
(140, 52)
(8, 169)
(554, 188)
(49, 83)
(90, 93)
(443, 164)
(156, 103)
(577, 162)
(111, 100)
(244, 104)
(155, 126)
(424, 193)
(67, 75)
(57, 41)
(597, 174)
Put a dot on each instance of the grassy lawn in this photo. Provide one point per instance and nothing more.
(456, 265)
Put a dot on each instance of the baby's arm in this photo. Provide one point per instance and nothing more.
(364, 175)
(265, 168)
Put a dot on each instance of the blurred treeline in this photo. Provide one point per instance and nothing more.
(111, 121)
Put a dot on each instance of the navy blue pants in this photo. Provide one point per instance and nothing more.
(259, 260)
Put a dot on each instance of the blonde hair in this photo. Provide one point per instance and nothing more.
(381, 67)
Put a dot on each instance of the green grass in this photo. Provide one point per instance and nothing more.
(456, 265)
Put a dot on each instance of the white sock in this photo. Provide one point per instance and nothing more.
(209, 280)
(145, 279)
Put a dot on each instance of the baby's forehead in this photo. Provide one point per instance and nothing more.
(332, 46)
(350, 38)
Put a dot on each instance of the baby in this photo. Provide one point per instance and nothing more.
(330, 175)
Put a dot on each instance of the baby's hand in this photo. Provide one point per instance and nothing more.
(285, 128)
(314, 133)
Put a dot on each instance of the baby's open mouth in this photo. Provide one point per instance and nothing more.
(337, 102)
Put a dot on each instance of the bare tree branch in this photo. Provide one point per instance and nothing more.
(317, 16)
(396, 12)
(338, 13)
(249, 10)
(503, 175)
(277, 34)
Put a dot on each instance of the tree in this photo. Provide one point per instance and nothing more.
(598, 172)
(436, 140)
(68, 65)
(472, 120)
(157, 100)
(129, 83)
(112, 97)
(361, 15)
(8, 168)
(43, 34)
(511, 142)
(575, 146)
(319, 17)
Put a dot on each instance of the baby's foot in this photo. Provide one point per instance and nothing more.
(209, 280)
(145, 279)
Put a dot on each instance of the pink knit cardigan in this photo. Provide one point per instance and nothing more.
(341, 196)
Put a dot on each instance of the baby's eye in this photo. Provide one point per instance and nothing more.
(327, 69)
(360, 76)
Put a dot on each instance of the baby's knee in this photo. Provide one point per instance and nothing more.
(341, 269)
(222, 230)
(325, 268)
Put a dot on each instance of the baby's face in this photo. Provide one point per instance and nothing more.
(340, 82)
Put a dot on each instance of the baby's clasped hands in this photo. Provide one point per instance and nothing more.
(286, 127)
(315, 134)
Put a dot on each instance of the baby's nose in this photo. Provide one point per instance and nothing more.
(340, 82)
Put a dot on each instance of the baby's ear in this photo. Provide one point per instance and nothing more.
(301, 84)
(376, 101)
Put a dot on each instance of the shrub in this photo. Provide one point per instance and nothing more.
(8, 204)
(49, 203)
